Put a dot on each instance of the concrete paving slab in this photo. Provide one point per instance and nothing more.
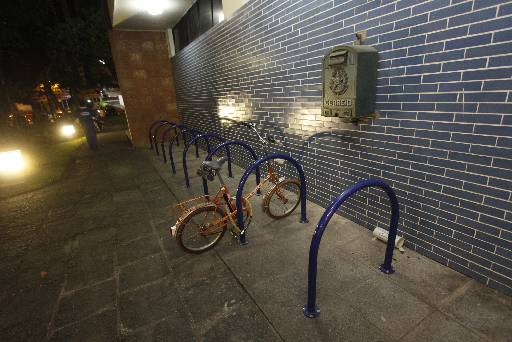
(127, 196)
(388, 306)
(282, 298)
(430, 281)
(482, 309)
(142, 271)
(136, 249)
(128, 231)
(99, 327)
(171, 328)
(79, 304)
(149, 303)
(439, 327)
(90, 265)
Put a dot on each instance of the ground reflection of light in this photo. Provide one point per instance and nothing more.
(68, 130)
(11, 161)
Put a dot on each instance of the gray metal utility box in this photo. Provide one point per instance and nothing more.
(349, 82)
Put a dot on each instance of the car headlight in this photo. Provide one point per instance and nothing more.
(68, 130)
(11, 161)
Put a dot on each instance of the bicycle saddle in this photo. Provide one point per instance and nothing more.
(215, 164)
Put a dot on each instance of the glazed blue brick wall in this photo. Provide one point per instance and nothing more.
(443, 138)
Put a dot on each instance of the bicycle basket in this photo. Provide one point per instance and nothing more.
(184, 207)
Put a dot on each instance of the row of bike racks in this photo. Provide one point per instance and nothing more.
(310, 310)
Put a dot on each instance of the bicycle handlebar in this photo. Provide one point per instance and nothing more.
(270, 139)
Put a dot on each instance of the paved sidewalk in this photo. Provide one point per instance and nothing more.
(90, 259)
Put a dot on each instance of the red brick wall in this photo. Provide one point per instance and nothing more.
(145, 78)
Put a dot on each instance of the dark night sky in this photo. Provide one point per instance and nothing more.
(24, 38)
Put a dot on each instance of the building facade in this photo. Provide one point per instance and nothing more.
(443, 136)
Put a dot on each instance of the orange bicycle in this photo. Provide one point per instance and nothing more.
(204, 220)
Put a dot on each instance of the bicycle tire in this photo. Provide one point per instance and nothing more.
(187, 224)
(291, 186)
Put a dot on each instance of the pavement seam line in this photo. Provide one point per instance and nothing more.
(250, 296)
(173, 277)
(70, 292)
(458, 292)
(136, 288)
(417, 325)
(149, 325)
(127, 242)
(51, 325)
(131, 263)
(119, 325)
(97, 312)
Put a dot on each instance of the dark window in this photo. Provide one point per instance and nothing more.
(198, 19)
(205, 15)
(193, 22)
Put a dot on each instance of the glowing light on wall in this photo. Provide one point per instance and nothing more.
(226, 111)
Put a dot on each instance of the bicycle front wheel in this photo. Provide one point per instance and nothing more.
(283, 198)
(201, 229)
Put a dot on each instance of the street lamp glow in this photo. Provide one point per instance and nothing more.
(68, 130)
(155, 11)
(153, 7)
(11, 161)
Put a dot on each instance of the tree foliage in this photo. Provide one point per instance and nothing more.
(76, 47)
(44, 41)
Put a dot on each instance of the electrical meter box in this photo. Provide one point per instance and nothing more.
(350, 82)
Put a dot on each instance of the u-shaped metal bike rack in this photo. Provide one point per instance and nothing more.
(195, 140)
(192, 133)
(155, 132)
(228, 143)
(310, 309)
(150, 132)
(176, 136)
(243, 180)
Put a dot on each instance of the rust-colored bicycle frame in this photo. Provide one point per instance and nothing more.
(224, 194)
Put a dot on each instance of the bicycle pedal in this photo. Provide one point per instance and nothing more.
(173, 231)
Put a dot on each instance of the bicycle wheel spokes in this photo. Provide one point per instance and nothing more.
(283, 198)
(201, 229)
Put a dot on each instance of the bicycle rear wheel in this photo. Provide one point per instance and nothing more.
(201, 229)
(283, 198)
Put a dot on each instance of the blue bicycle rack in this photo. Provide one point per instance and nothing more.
(243, 180)
(204, 136)
(310, 309)
(225, 144)
(155, 133)
(192, 133)
(150, 132)
(176, 136)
